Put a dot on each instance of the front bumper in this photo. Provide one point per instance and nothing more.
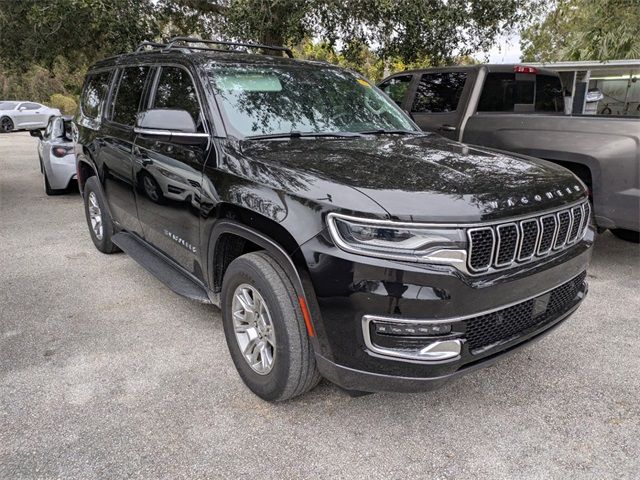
(349, 288)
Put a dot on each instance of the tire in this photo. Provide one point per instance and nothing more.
(293, 370)
(47, 188)
(628, 235)
(92, 199)
(6, 125)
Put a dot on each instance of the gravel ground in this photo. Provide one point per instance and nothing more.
(106, 373)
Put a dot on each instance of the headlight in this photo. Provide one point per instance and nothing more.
(399, 241)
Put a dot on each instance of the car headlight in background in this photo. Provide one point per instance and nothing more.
(398, 241)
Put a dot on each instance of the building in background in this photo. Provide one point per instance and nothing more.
(600, 88)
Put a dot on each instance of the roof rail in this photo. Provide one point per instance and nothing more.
(177, 40)
(141, 46)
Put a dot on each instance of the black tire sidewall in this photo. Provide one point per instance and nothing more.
(269, 386)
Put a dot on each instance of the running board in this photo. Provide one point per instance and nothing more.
(161, 267)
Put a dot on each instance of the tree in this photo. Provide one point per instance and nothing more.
(80, 31)
(585, 30)
(407, 29)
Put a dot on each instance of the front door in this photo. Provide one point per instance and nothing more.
(169, 175)
(438, 102)
(116, 152)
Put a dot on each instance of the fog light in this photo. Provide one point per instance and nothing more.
(411, 330)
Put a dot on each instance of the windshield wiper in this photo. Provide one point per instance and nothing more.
(296, 134)
(382, 131)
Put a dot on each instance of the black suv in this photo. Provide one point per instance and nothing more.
(337, 238)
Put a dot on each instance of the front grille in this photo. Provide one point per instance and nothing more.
(503, 245)
(494, 328)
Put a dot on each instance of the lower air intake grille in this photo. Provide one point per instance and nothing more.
(498, 327)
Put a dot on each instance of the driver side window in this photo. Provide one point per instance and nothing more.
(396, 88)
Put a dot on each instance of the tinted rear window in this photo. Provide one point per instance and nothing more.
(503, 91)
(94, 94)
(439, 92)
(130, 89)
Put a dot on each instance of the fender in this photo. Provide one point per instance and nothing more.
(281, 256)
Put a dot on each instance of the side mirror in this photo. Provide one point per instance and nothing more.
(36, 133)
(169, 125)
(594, 95)
(20, 109)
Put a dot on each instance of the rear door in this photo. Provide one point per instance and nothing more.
(439, 100)
(117, 138)
(168, 175)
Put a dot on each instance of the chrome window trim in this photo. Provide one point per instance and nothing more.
(470, 249)
(536, 244)
(395, 354)
(497, 249)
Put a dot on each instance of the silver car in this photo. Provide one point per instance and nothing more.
(56, 154)
(18, 115)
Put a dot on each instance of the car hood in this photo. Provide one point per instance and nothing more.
(425, 177)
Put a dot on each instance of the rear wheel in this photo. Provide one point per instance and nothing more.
(6, 125)
(628, 235)
(98, 219)
(265, 330)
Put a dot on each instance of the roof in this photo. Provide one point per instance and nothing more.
(493, 67)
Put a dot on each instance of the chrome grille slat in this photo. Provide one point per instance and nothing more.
(507, 246)
(501, 245)
(564, 224)
(481, 258)
(549, 225)
(529, 238)
(576, 217)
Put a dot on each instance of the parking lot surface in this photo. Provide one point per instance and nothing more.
(105, 373)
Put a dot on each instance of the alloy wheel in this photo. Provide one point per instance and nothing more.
(6, 125)
(253, 328)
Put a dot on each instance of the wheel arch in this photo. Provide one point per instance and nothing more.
(231, 237)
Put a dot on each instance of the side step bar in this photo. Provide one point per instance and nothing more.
(163, 268)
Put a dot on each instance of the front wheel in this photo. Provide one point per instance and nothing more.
(628, 235)
(98, 219)
(265, 330)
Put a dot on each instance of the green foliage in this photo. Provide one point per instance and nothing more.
(410, 30)
(585, 30)
(81, 31)
(67, 105)
(45, 47)
(361, 59)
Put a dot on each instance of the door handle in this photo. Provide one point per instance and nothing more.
(447, 128)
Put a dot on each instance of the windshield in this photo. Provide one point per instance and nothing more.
(270, 100)
(8, 105)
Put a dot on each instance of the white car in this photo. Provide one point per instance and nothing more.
(17, 115)
(56, 154)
